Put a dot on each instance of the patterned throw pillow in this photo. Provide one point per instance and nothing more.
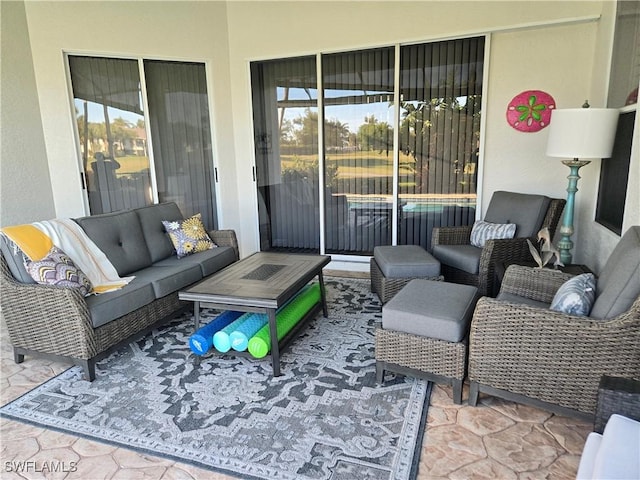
(483, 231)
(188, 236)
(56, 268)
(576, 295)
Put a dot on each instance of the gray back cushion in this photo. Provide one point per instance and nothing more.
(619, 282)
(525, 210)
(158, 241)
(119, 236)
(15, 260)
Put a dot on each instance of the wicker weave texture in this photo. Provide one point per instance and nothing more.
(385, 287)
(551, 356)
(507, 251)
(421, 353)
(226, 238)
(616, 395)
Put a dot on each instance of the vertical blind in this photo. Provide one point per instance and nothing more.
(441, 95)
(358, 97)
(181, 133)
(286, 142)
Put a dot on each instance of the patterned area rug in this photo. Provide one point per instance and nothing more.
(324, 418)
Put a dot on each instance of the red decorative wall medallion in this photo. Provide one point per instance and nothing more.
(530, 111)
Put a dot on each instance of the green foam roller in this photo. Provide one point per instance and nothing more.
(286, 319)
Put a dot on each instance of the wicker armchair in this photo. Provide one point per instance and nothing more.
(533, 355)
(446, 240)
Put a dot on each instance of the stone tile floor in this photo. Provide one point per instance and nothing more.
(495, 440)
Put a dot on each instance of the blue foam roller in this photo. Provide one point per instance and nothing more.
(240, 337)
(221, 338)
(201, 340)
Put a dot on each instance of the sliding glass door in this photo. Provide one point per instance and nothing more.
(441, 92)
(123, 169)
(181, 133)
(285, 116)
(358, 150)
(113, 141)
(399, 145)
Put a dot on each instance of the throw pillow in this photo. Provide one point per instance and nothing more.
(483, 231)
(56, 268)
(188, 236)
(576, 295)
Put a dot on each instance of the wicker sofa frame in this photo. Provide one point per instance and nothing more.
(494, 252)
(545, 358)
(55, 323)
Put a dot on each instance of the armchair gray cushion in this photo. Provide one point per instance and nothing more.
(619, 282)
(525, 210)
(462, 257)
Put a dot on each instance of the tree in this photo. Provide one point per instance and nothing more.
(375, 135)
(424, 127)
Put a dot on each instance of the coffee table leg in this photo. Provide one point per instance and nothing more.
(275, 351)
(196, 314)
(323, 295)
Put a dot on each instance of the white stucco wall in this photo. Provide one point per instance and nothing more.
(25, 186)
(531, 48)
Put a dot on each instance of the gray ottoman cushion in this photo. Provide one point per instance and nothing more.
(406, 261)
(438, 310)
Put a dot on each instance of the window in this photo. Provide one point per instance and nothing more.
(121, 170)
(623, 94)
(389, 161)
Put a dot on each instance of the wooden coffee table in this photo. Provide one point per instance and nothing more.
(261, 283)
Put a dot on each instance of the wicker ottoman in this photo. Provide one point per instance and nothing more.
(392, 267)
(424, 333)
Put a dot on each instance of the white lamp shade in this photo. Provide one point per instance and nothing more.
(582, 132)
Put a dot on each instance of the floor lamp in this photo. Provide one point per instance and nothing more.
(579, 133)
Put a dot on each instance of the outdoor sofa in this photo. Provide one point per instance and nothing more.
(61, 323)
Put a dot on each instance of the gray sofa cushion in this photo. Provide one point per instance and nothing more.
(109, 306)
(169, 279)
(525, 210)
(406, 261)
(15, 260)
(209, 261)
(439, 310)
(462, 257)
(618, 285)
(119, 235)
(155, 235)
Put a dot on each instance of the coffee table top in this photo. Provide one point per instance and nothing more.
(263, 279)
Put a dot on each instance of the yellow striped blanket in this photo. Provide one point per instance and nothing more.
(36, 239)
